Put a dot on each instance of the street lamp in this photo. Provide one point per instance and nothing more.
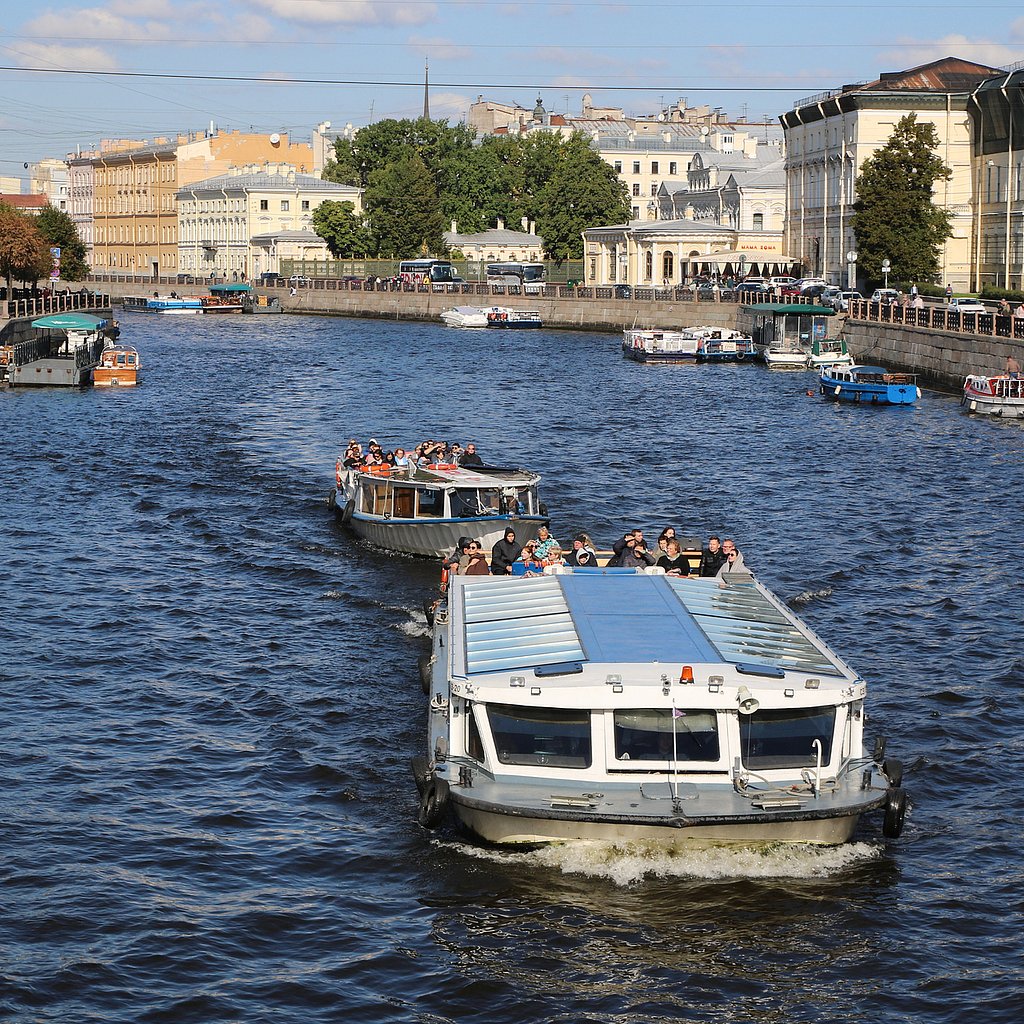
(851, 269)
(886, 267)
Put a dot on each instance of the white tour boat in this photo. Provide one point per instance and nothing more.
(513, 319)
(654, 345)
(623, 705)
(465, 316)
(785, 356)
(424, 510)
(166, 304)
(1002, 395)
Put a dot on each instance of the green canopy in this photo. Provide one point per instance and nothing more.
(69, 322)
(790, 309)
(217, 288)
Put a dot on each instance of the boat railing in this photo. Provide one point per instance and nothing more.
(1009, 387)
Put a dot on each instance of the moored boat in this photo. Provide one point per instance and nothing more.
(225, 298)
(465, 316)
(424, 510)
(655, 345)
(627, 705)
(785, 355)
(1001, 395)
(829, 352)
(871, 385)
(120, 366)
(722, 345)
(167, 304)
(256, 303)
(513, 319)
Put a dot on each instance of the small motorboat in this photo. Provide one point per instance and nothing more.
(655, 345)
(424, 510)
(465, 316)
(829, 352)
(722, 345)
(625, 705)
(870, 385)
(1001, 395)
(120, 366)
(785, 356)
(513, 319)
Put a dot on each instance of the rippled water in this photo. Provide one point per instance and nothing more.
(209, 693)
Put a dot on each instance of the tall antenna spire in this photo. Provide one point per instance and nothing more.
(426, 89)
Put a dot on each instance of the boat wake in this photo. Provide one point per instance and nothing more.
(809, 596)
(628, 864)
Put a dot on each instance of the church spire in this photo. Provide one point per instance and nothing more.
(426, 89)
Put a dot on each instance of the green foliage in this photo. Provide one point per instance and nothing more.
(58, 228)
(990, 291)
(936, 290)
(343, 230)
(404, 213)
(561, 184)
(24, 253)
(895, 216)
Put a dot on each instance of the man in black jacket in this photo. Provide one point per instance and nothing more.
(470, 458)
(712, 558)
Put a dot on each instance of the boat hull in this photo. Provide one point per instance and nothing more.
(494, 825)
(108, 377)
(994, 396)
(869, 394)
(437, 538)
(639, 355)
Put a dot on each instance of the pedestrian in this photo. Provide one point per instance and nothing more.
(949, 292)
(1012, 367)
(1019, 311)
(913, 291)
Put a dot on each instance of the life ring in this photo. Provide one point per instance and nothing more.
(346, 512)
(504, 316)
(426, 675)
(444, 579)
(433, 802)
(442, 465)
(892, 769)
(337, 472)
(895, 813)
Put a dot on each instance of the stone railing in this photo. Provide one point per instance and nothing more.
(59, 302)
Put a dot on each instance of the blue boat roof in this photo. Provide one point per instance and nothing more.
(608, 618)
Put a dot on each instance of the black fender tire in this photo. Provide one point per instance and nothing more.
(892, 769)
(332, 500)
(433, 803)
(895, 813)
(426, 674)
(421, 772)
(428, 611)
(542, 509)
(346, 514)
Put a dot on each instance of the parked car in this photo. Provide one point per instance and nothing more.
(300, 279)
(813, 291)
(269, 277)
(780, 282)
(962, 304)
(831, 296)
(885, 295)
(845, 299)
(752, 291)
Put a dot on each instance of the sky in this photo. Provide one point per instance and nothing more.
(75, 73)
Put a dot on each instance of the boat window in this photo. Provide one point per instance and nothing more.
(783, 739)
(650, 735)
(466, 502)
(430, 503)
(376, 498)
(541, 736)
(474, 745)
(120, 359)
(405, 499)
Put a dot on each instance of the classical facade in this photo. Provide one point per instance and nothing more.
(134, 184)
(997, 110)
(829, 136)
(243, 223)
(498, 244)
(50, 178)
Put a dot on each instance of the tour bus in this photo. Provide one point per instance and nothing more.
(528, 277)
(439, 272)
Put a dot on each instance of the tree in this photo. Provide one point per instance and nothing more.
(582, 192)
(59, 229)
(342, 229)
(895, 215)
(24, 253)
(402, 204)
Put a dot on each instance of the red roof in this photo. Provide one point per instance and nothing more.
(25, 202)
(948, 74)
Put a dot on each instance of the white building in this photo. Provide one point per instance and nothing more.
(243, 223)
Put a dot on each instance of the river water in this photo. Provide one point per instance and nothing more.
(210, 698)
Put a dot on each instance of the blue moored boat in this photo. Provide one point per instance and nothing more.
(873, 385)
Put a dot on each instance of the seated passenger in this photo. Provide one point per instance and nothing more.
(673, 561)
(528, 564)
(581, 545)
(504, 553)
(545, 542)
(635, 554)
(401, 459)
(554, 556)
(712, 558)
(473, 562)
(452, 561)
(733, 563)
(470, 457)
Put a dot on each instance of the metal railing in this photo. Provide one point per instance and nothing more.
(60, 302)
(940, 318)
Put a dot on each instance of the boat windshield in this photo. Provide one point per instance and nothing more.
(655, 735)
(484, 501)
(540, 736)
(784, 739)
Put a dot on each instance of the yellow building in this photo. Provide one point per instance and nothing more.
(133, 186)
(243, 223)
(829, 136)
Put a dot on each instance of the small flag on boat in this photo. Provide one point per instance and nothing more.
(676, 713)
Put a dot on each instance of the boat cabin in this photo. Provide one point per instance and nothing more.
(787, 326)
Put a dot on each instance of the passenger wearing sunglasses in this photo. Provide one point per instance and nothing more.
(733, 561)
(474, 561)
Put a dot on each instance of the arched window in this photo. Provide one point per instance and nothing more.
(649, 265)
(667, 266)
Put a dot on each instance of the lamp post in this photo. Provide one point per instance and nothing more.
(851, 270)
(886, 267)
